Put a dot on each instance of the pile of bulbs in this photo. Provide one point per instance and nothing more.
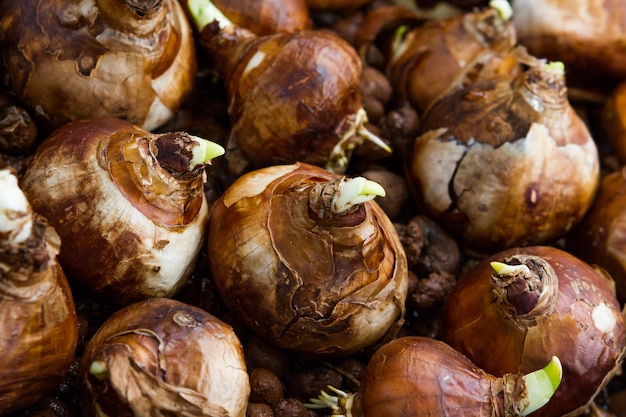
(423, 199)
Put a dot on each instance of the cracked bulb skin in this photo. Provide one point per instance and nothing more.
(161, 357)
(562, 307)
(305, 281)
(505, 162)
(75, 59)
(130, 209)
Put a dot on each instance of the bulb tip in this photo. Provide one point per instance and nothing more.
(372, 189)
(501, 268)
(205, 152)
(354, 191)
(556, 67)
(98, 369)
(503, 7)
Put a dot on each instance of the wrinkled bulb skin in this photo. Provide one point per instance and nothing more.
(129, 208)
(601, 237)
(420, 376)
(441, 55)
(580, 34)
(506, 162)
(134, 60)
(561, 306)
(303, 280)
(162, 357)
(38, 321)
(292, 96)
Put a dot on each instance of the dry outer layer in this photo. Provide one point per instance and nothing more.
(505, 163)
(339, 292)
(85, 58)
(148, 349)
(112, 204)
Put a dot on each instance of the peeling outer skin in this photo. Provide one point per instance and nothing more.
(503, 175)
(307, 287)
(71, 64)
(585, 328)
(291, 95)
(579, 33)
(140, 235)
(165, 358)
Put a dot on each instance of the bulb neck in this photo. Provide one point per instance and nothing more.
(339, 201)
(28, 269)
(157, 174)
(526, 287)
(543, 86)
(176, 153)
(139, 17)
(321, 207)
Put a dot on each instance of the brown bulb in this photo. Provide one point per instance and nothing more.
(38, 322)
(128, 204)
(580, 34)
(307, 260)
(506, 162)
(292, 96)
(426, 59)
(134, 60)
(535, 302)
(418, 376)
(163, 357)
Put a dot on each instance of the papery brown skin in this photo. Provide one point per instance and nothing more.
(164, 358)
(441, 55)
(38, 322)
(130, 230)
(70, 60)
(600, 239)
(294, 102)
(326, 288)
(580, 321)
(266, 17)
(421, 376)
(505, 163)
(579, 33)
